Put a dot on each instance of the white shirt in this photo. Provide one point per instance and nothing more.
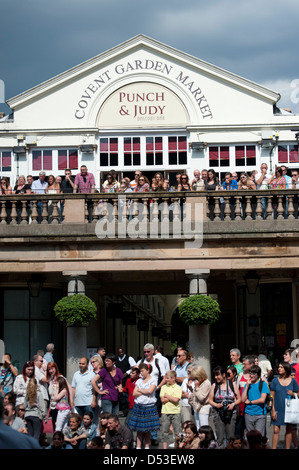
(39, 187)
(146, 399)
(265, 181)
(163, 360)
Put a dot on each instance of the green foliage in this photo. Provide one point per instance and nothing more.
(199, 310)
(75, 310)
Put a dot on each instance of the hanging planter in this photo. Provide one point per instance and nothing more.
(199, 310)
(75, 310)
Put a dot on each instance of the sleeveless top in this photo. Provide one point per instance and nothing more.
(63, 403)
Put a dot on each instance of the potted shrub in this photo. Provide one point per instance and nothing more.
(75, 310)
(199, 310)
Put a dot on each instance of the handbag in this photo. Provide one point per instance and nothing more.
(291, 414)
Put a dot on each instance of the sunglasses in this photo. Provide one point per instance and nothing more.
(147, 352)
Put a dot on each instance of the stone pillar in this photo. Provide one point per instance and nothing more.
(76, 337)
(199, 335)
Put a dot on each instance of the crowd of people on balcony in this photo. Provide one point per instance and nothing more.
(116, 402)
(204, 180)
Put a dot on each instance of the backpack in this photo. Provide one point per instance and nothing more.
(268, 401)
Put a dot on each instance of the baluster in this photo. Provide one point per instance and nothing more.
(269, 209)
(227, 211)
(217, 211)
(13, 215)
(24, 213)
(238, 208)
(259, 210)
(280, 209)
(55, 213)
(45, 212)
(34, 213)
(291, 208)
(248, 210)
(3, 213)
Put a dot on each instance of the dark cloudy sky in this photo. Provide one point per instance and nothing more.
(256, 39)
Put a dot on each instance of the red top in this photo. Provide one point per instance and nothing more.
(128, 388)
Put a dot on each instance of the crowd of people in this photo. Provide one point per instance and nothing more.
(204, 180)
(115, 402)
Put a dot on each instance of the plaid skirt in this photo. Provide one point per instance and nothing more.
(144, 418)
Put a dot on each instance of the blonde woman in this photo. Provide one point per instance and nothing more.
(97, 364)
(199, 398)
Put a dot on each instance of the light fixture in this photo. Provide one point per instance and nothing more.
(252, 280)
(269, 142)
(19, 149)
(35, 284)
(197, 145)
(87, 148)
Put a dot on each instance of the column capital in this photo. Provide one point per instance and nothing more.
(74, 274)
(199, 273)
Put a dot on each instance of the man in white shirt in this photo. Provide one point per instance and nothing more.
(261, 180)
(39, 187)
(162, 359)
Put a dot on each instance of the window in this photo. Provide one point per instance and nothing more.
(132, 151)
(41, 160)
(68, 158)
(154, 151)
(245, 155)
(288, 154)
(5, 160)
(177, 150)
(218, 156)
(109, 152)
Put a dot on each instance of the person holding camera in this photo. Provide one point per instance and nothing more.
(224, 398)
(8, 373)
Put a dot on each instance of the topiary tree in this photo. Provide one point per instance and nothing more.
(199, 310)
(75, 310)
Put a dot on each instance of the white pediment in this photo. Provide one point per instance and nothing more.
(75, 98)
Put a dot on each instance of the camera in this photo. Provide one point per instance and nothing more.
(182, 435)
(224, 412)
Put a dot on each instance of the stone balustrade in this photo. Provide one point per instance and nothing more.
(218, 206)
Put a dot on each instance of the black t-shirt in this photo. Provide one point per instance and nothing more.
(65, 186)
(22, 190)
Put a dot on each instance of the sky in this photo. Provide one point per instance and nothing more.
(255, 39)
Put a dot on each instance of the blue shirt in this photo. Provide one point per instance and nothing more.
(254, 394)
(233, 185)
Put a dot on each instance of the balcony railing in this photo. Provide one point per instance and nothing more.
(217, 206)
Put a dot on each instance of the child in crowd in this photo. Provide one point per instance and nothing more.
(63, 404)
(207, 438)
(144, 417)
(170, 395)
(129, 389)
(57, 441)
(95, 443)
(102, 428)
(89, 428)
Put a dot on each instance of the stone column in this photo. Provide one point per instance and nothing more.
(76, 337)
(199, 335)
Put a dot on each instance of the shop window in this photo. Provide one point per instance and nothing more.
(154, 151)
(132, 151)
(177, 150)
(109, 152)
(41, 160)
(288, 154)
(5, 161)
(68, 158)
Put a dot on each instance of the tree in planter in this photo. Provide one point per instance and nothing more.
(75, 310)
(199, 310)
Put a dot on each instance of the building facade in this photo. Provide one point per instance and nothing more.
(144, 105)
